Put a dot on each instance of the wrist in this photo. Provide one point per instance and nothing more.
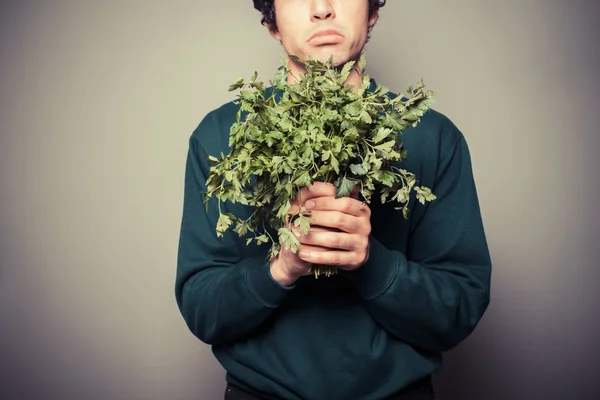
(281, 274)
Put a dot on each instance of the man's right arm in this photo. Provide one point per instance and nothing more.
(222, 296)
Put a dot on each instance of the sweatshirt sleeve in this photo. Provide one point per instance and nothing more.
(222, 295)
(434, 295)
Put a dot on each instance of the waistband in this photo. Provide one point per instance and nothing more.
(418, 390)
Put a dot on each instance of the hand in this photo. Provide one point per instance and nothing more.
(287, 267)
(339, 233)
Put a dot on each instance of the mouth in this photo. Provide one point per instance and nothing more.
(329, 36)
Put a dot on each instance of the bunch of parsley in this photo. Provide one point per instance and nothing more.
(321, 129)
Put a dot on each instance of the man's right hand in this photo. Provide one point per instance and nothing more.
(287, 267)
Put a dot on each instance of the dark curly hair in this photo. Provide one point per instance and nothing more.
(267, 8)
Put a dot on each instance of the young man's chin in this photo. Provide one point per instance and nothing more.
(338, 60)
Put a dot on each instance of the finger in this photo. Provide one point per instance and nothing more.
(294, 263)
(336, 220)
(312, 248)
(332, 240)
(346, 205)
(295, 208)
(306, 247)
(334, 258)
(315, 228)
(317, 189)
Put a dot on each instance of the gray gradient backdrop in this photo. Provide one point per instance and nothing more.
(97, 102)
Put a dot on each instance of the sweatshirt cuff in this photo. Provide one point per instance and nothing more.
(378, 273)
(263, 286)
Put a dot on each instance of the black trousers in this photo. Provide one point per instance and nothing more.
(422, 390)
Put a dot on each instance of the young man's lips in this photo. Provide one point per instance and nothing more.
(325, 37)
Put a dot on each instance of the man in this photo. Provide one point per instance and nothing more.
(407, 290)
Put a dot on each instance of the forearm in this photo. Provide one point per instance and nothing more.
(433, 306)
(432, 288)
(224, 289)
(225, 303)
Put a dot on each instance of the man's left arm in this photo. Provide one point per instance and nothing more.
(434, 295)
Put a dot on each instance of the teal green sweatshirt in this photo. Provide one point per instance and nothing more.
(364, 334)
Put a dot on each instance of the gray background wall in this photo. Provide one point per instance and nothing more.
(98, 99)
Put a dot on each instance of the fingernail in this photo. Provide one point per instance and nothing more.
(303, 254)
(309, 205)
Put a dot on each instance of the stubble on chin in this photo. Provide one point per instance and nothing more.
(338, 61)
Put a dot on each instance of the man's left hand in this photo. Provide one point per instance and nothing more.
(341, 227)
